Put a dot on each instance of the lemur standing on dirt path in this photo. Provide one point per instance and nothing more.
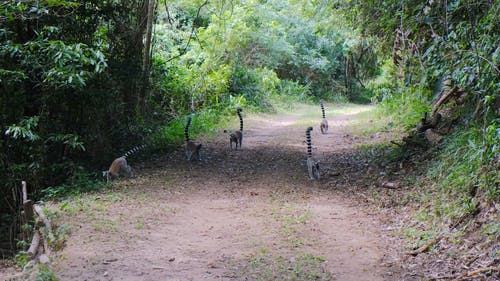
(312, 166)
(120, 166)
(236, 136)
(192, 148)
(324, 123)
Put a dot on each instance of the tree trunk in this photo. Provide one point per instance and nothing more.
(146, 55)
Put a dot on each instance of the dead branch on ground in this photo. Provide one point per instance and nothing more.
(426, 246)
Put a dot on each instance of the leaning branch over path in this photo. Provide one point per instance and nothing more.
(445, 96)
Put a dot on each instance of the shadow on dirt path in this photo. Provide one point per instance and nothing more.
(250, 214)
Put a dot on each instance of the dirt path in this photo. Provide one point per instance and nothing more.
(250, 214)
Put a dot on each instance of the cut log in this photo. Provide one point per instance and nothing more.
(45, 220)
(27, 204)
(25, 191)
(35, 243)
(28, 211)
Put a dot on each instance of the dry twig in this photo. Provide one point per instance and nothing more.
(481, 270)
(426, 246)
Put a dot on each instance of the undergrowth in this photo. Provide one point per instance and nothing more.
(206, 123)
(455, 190)
(265, 266)
(461, 178)
(80, 182)
(464, 171)
(405, 108)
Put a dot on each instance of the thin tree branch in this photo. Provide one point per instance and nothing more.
(169, 18)
(490, 62)
(191, 34)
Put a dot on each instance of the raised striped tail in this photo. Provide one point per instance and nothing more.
(238, 110)
(308, 141)
(134, 150)
(322, 108)
(186, 129)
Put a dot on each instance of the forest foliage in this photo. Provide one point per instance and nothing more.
(443, 58)
(436, 46)
(76, 91)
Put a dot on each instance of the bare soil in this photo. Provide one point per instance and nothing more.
(249, 214)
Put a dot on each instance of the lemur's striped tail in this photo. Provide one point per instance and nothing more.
(186, 129)
(133, 150)
(308, 141)
(322, 108)
(238, 110)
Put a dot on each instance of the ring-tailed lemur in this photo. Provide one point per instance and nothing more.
(120, 166)
(236, 136)
(192, 148)
(312, 166)
(324, 123)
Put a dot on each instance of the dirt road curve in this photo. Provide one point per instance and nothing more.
(250, 214)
